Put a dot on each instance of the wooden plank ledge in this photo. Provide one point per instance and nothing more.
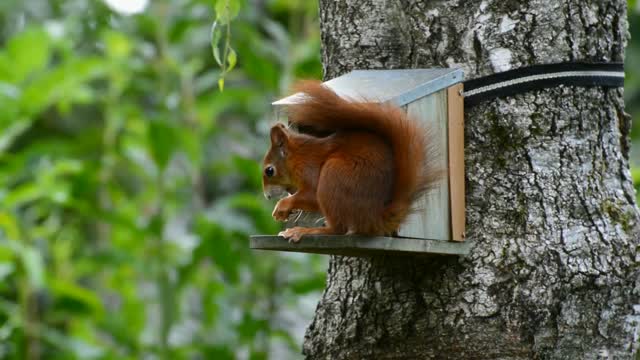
(361, 245)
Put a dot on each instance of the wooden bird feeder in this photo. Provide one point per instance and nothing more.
(432, 96)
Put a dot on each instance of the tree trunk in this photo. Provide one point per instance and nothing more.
(550, 203)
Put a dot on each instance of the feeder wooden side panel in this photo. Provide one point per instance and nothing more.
(456, 161)
(432, 218)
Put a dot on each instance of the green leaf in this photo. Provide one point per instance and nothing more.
(232, 58)
(12, 132)
(191, 145)
(9, 228)
(28, 52)
(308, 284)
(216, 35)
(155, 225)
(218, 352)
(227, 10)
(251, 326)
(163, 142)
(250, 169)
(23, 194)
(221, 84)
(62, 83)
(117, 45)
(215, 244)
(6, 69)
(33, 265)
(75, 299)
(635, 175)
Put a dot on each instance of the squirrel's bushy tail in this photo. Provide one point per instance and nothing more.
(413, 152)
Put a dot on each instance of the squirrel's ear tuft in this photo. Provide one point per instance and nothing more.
(278, 135)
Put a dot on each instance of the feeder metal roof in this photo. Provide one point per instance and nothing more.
(399, 87)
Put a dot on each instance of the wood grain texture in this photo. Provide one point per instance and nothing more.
(455, 109)
(431, 220)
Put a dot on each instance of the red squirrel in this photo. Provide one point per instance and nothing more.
(363, 177)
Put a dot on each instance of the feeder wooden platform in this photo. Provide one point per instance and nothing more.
(350, 245)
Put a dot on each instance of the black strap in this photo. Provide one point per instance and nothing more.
(543, 76)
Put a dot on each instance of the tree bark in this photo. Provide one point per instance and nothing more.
(550, 204)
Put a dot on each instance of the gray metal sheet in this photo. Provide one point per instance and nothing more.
(399, 87)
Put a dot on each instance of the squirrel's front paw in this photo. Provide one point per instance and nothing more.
(281, 212)
(292, 235)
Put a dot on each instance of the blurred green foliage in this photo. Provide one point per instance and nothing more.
(632, 90)
(129, 184)
(632, 86)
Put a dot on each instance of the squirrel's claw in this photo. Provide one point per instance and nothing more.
(292, 235)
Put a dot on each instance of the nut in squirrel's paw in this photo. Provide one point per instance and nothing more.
(281, 213)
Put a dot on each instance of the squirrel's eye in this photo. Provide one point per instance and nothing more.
(269, 171)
